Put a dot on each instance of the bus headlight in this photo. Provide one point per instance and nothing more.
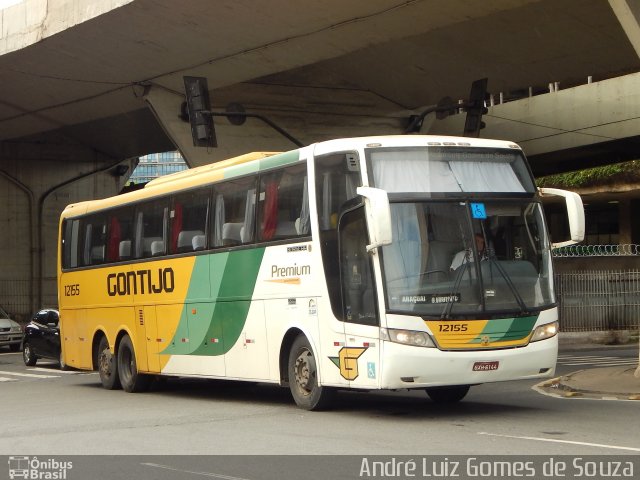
(407, 337)
(545, 331)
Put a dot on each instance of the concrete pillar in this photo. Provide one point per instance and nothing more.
(624, 221)
(628, 13)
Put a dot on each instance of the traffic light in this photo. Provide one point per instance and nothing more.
(199, 112)
(475, 108)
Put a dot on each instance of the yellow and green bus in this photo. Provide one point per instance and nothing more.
(323, 268)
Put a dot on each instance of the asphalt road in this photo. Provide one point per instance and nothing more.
(49, 412)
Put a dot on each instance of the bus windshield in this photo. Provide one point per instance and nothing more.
(453, 259)
(451, 170)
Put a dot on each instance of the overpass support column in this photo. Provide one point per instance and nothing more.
(37, 181)
(628, 13)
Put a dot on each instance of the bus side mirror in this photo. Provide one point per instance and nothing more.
(575, 212)
(378, 216)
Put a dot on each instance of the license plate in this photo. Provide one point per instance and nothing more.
(485, 366)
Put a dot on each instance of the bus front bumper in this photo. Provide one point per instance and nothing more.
(406, 366)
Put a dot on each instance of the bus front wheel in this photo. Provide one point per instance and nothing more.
(132, 381)
(107, 366)
(452, 394)
(303, 377)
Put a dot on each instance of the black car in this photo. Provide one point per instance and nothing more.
(42, 338)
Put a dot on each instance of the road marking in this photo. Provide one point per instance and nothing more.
(555, 440)
(204, 474)
(5, 379)
(31, 375)
(53, 370)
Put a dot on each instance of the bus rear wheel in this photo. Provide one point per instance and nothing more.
(107, 366)
(444, 395)
(303, 377)
(132, 381)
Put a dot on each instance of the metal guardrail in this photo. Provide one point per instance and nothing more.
(15, 298)
(597, 251)
(598, 300)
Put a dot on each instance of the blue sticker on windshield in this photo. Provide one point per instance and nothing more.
(478, 211)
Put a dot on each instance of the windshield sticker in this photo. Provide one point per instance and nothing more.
(478, 211)
(435, 298)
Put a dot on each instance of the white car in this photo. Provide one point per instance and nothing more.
(10, 332)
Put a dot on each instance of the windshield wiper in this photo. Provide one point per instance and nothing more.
(510, 284)
(456, 284)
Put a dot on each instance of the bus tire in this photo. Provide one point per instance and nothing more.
(131, 380)
(303, 377)
(107, 366)
(63, 366)
(448, 395)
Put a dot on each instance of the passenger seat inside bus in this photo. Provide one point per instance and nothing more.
(185, 240)
(231, 233)
(157, 248)
(97, 254)
(198, 242)
(147, 246)
(124, 250)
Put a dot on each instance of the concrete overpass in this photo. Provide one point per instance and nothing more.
(89, 85)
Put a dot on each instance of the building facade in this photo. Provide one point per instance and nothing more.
(156, 165)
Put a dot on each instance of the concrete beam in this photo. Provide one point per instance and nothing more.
(31, 21)
(628, 14)
(588, 114)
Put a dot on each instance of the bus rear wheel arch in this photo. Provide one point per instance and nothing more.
(131, 380)
(303, 377)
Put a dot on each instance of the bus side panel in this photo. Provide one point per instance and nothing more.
(249, 356)
(364, 341)
(150, 333)
(69, 318)
(112, 320)
(291, 280)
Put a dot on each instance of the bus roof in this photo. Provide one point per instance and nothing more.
(232, 167)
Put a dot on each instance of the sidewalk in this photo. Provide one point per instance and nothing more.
(609, 383)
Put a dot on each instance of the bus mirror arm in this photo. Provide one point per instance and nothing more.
(575, 212)
(378, 213)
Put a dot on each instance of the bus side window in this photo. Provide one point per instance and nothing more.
(70, 243)
(95, 232)
(188, 221)
(120, 234)
(151, 220)
(283, 206)
(234, 218)
(358, 298)
(336, 183)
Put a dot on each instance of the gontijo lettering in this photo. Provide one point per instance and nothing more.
(141, 281)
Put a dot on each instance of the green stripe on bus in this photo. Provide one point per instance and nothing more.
(266, 163)
(280, 160)
(507, 329)
(217, 324)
